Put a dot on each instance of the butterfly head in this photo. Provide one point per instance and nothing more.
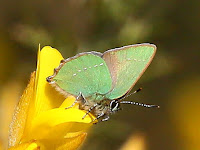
(114, 106)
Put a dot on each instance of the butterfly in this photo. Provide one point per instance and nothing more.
(100, 81)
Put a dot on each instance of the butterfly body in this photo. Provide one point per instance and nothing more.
(99, 80)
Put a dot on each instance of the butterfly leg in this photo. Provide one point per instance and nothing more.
(99, 116)
(79, 99)
(90, 109)
(105, 119)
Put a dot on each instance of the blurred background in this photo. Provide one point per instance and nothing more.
(172, 80)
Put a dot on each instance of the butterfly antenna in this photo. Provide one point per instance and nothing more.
(138, 90)
(139, 104)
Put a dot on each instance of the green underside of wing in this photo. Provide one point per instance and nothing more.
(127, 65)
(87, 74)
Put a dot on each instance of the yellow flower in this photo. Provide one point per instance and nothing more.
(41, 120)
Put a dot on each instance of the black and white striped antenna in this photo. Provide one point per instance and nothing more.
(137, 103)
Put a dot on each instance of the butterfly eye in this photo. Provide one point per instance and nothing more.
(114, 105)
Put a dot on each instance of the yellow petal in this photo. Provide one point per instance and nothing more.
(68, 102)
(58, 123)
(46, 96)
(63, 144)
(26, 146)
(45, 117)
(19, 119)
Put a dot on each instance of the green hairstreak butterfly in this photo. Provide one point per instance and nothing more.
(100, 81)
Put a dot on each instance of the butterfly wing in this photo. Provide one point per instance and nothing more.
(126, 65)
(86, 73)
